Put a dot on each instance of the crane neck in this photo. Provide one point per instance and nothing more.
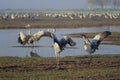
(29, 31)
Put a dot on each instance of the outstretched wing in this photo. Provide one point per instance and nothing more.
(71, 42)
(100, 37)
(67, 40)
(40, 34)
(47, 34)
(86, 40)
(22, 38)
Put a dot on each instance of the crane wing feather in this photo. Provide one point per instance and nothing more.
(101, 36)
(86, 40)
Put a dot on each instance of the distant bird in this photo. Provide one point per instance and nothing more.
(92, 46)
(59, 45)
(33, 54)
(30, 38)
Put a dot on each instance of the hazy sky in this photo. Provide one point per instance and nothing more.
(42, 4)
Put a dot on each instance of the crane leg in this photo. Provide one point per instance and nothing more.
(57, 59)
(90, 61)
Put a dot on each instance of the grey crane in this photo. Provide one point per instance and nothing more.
(59, 45)
(92, 46)
(31, 38)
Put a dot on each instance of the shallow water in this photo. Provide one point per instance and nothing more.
(9, 39)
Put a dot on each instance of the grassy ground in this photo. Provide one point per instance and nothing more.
(57, 23)
(103, 67)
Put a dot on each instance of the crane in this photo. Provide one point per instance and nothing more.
(59, 45)
(92, 46)
(31, 38)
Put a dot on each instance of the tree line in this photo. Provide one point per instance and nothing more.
(115, 4)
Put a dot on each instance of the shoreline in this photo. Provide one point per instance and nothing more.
(57, 24)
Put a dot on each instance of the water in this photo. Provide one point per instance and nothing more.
(9, 39)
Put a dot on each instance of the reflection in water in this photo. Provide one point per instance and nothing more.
(9, 38)
(34, 54)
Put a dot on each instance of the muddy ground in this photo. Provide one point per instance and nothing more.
(102, 67)
(55, 23)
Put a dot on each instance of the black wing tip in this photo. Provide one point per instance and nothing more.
(108, 32)
(19, 40)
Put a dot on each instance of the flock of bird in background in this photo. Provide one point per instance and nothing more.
(59, 45)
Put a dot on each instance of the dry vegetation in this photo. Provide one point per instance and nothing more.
(103, 67)
(57, 23)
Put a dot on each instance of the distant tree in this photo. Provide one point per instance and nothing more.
(99, 3)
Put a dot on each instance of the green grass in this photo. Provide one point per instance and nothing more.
(103, 67)
(61, 75)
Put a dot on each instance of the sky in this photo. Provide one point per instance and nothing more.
(43, 4)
